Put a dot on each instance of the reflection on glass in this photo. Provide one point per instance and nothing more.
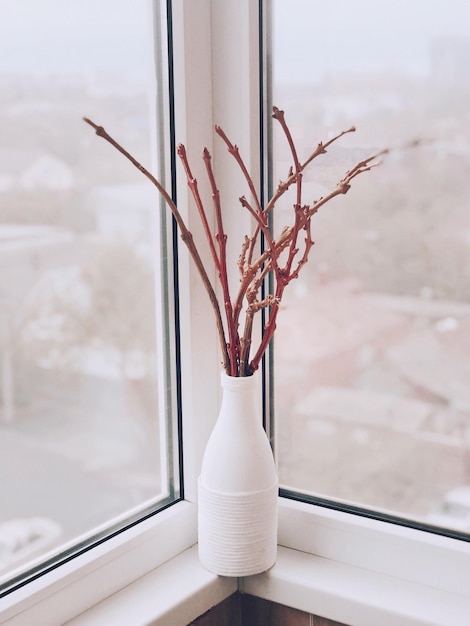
(372, 351)
(80, 433)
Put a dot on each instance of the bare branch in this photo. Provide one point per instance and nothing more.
(186, 236)
(221, 237)
(293, 244)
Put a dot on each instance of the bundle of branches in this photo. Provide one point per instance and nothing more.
(283, 257)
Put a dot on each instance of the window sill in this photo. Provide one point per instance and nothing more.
(175, 593)
(349, 569)
(181, 590)
(354, 596)
(95, 576)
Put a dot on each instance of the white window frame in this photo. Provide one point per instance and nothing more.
(324, 553)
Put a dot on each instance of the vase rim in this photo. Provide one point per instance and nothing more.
(233, 382)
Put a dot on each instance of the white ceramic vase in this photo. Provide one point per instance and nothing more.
(238, 488)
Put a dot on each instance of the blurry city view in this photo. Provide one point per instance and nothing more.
(80, 434)
(372, 352)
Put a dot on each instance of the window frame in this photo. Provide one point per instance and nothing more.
(199, 100)
(166, 338)
(213, 40)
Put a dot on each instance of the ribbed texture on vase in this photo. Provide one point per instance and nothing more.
(237, 532)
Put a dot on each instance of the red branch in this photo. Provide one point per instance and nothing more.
(234, 342)
(294, 242)
(193, 186)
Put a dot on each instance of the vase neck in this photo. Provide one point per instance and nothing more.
(239, 397)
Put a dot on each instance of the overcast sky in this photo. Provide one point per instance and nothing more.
(68, 36)
(75, 35)
(315, 36)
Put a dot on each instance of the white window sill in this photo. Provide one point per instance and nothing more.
(181, 590)
(342, 567)
(173, 594)
(91, 578)
(354, 596)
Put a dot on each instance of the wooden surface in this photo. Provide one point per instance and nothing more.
(244, 610)
(227, 613)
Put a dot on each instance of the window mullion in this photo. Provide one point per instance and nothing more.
(216, 82)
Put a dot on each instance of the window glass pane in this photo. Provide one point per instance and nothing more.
(372, 350)
(84, 441)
